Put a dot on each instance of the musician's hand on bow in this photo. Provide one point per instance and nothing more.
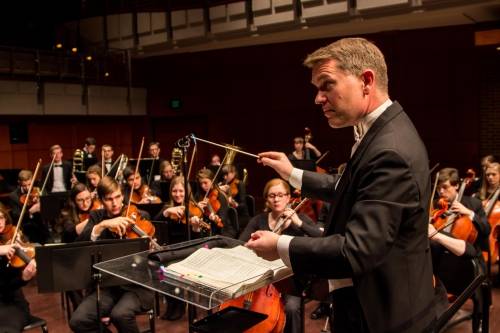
(195, 223)
(291, 217)
(118, 224)
(224, 188)
(431, 230)
(177, 211)
(35, 208)
(278, 161)
(264, 244)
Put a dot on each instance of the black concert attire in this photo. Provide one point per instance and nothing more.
(439, 253)
(308, 228)
(32, 226)
(109, 169)
(120, 303)
(66, 176)
(14, 309)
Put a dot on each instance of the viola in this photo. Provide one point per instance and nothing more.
(266, 300)
(213, 206)
(141, 227)
(32, 199)
(194, 210)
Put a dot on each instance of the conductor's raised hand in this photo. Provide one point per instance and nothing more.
(277, 161)
(264, 244)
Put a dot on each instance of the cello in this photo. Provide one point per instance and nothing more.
(460, 227)
(492, 210)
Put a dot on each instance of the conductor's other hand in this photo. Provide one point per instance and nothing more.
(277, 161)
(264, 244)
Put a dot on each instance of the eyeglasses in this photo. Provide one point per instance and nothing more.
(88, 199)
(276, 195)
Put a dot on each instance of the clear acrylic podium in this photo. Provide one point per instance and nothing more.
(139, 269)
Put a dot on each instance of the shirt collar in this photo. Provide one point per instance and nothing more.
(361, 128)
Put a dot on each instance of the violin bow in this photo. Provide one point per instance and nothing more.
(225, 147)
(102, 163)
(23, 211)
(135, 173)
(278, 227)
(431, 203)
(215, 176)
(48, 174)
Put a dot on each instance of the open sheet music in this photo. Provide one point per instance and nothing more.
(234, 271)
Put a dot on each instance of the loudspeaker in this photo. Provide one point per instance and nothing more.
(18, 133)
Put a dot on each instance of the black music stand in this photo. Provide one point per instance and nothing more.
(152, 209)
(51, 205)
(165, 190)
(145, 168)
(70, 266)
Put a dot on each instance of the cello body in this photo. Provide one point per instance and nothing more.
(266, 300)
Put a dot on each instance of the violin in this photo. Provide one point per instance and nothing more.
(141, 227)
(213, 206)
(25, 252)
(194, 210)
(143, 194)
(33, 198)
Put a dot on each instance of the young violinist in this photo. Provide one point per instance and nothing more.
(277, 195)
(14, 309)
(235, 191)
(75, 215)
(214, 206)
(142, 193)
(302, 150)
(33, 227)
(122, 303)
(173, 213)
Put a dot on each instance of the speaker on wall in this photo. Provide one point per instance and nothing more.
(18, 132)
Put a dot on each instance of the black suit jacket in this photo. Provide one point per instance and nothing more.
(67, 171)
(376, 230)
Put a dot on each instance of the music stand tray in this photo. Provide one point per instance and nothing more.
(141, 270)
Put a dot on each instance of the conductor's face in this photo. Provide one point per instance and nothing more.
(340, 94)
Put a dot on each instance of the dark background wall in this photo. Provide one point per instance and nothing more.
(261, 97)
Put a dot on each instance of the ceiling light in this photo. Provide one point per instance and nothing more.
(74, 50)
(58, 46)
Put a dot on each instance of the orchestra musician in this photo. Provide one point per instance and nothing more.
(73, 219)
(447, 187)
(173, 213)
(375, 248)
(153, 171)
(14, 308)
(235, 192)
(107, 155)
(491, 181)
(277, 196)
(214, 206)
(120, 304)
(60, 177)
(302, 150)
(93, 175)
(89, 148)
(166, 175)
(142, 193)
(32, 226)
(447, 240)
(75, 215)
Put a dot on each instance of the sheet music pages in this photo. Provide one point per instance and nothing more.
(234, 270)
